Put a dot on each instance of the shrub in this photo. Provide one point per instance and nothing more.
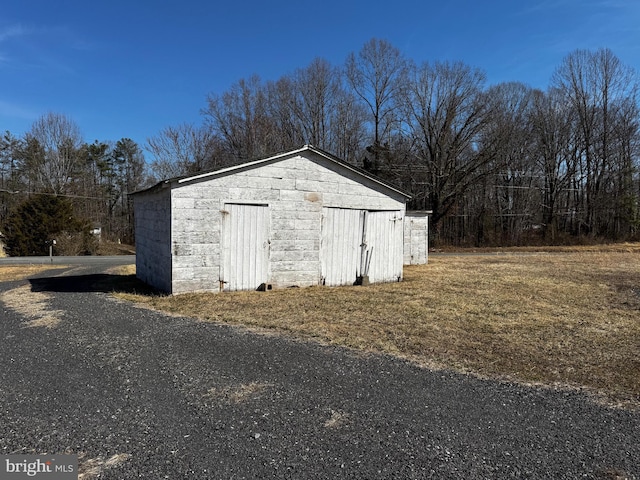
(37, 221)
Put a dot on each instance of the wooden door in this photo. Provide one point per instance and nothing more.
(341, 245)
(245, 246)
(383, 245)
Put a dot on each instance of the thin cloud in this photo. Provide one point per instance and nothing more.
(13, 110)
(7, 33)
(579, 8)
(39, 47)
(10, 31)
(543, 6)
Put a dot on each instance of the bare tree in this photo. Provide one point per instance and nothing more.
(595, 84)
(552, 121)
(626, 196)
(348, 127)
(497, 161)
(316, 96)
(376, 76)
(282, 98)
(507, 142)
(240, 118)
(130, 168)
(60, 139)
(445, 111)
(183, 150)
(312, 106)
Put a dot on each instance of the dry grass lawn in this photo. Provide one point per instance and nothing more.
(20, 272)
(563, 319)
(34, 306)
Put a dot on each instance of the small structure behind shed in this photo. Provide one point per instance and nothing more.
(416, 237)
(300, 218)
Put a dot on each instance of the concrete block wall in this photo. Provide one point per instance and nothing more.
(295, 189)
(153, 239)
(195, 238)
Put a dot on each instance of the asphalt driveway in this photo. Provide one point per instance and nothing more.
(139, 394)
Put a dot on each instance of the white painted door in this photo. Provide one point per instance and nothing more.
(341, 245)
(245, 246)
(383, 246)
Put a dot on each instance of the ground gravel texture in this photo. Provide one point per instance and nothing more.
(138, 394)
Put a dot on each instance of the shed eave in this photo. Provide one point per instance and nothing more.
(242, 166)
(155, 187)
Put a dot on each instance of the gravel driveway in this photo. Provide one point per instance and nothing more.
(139, 394)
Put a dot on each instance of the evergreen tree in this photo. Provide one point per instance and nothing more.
(36, 222)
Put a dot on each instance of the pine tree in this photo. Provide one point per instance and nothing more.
(36, 222)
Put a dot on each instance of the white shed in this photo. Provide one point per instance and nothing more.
(300, 218)
(416, 237)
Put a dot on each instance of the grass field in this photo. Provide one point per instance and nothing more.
(567, 319)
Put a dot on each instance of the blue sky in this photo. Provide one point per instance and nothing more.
(130, 68)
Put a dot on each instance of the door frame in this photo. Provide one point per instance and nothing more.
(245, 246)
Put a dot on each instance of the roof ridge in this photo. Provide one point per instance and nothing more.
(273, 158)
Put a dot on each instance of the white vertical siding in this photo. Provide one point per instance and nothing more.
(340, 245)
(360, 242)
(383, 241)
(416, 238)
(245, 231)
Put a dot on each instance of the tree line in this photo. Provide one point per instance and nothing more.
(497, 165)
(51, 172)
(501, 164)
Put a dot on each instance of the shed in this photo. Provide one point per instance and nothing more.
(299, 218)
(416, 237)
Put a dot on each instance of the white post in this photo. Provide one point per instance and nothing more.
(51, 244)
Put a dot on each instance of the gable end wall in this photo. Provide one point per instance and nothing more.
(295, 189)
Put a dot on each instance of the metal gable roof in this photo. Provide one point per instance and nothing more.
(275, 158)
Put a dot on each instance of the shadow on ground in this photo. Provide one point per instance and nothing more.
(102, 282)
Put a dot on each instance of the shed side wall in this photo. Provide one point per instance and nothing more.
(153, 239)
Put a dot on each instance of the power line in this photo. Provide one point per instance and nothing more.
(50, 194)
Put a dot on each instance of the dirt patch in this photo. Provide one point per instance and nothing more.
(337, 419)
(237, 393)
(34, 306)
(91, 468)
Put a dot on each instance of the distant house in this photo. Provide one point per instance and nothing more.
(299, 218)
